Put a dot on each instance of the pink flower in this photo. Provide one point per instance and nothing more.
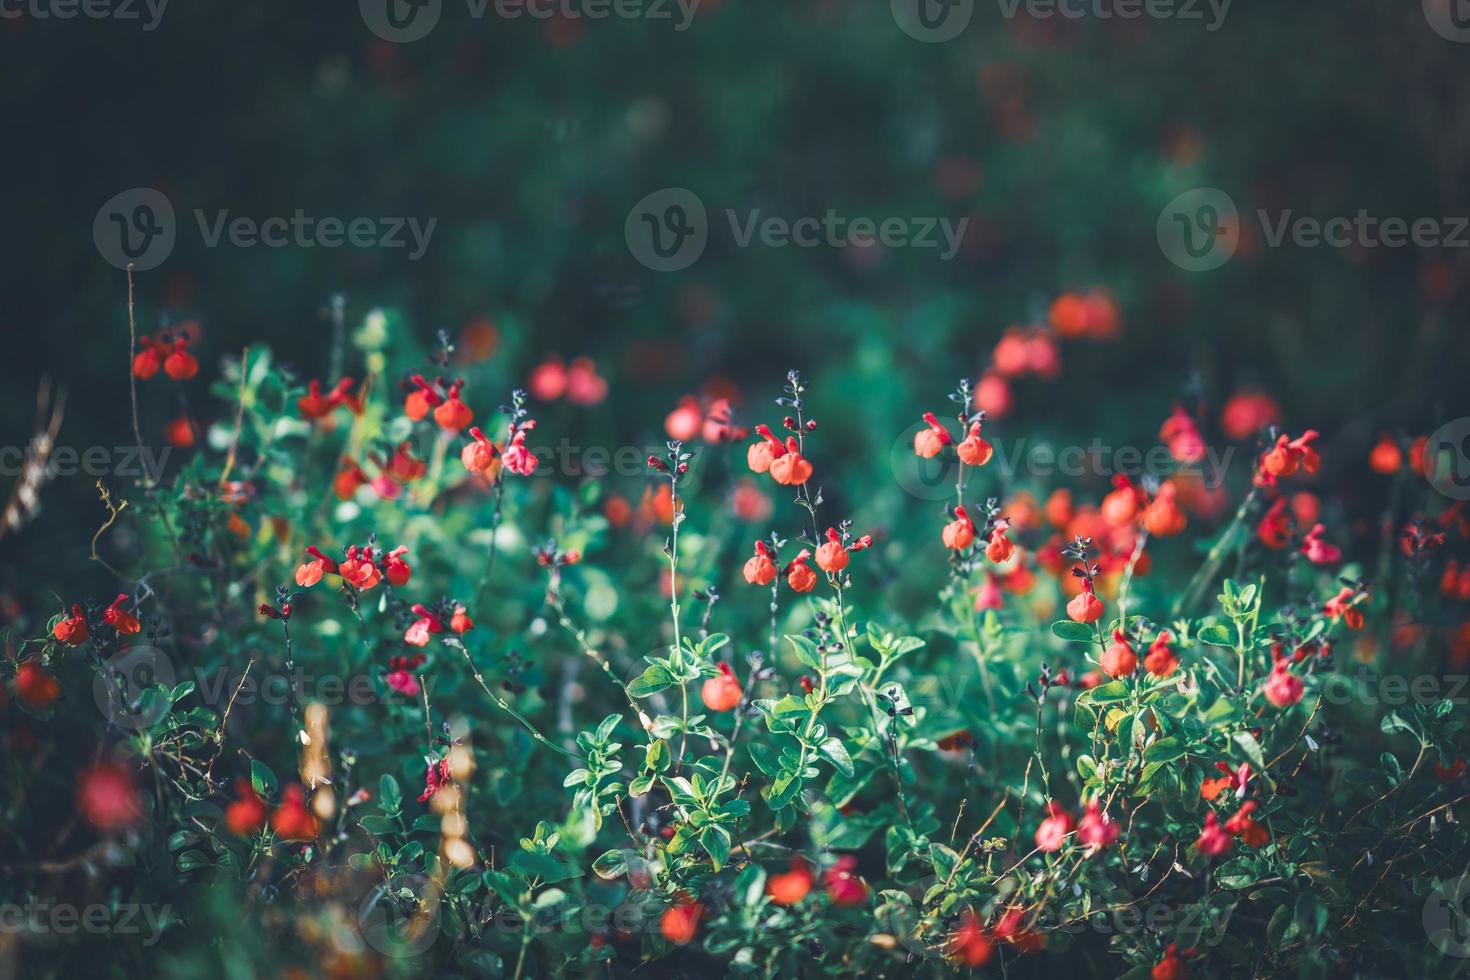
(1319, 552)
(518, 459)
(1095, 830)
(1054, 829)
(1213, 839)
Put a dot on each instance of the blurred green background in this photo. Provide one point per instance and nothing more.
(530, 139)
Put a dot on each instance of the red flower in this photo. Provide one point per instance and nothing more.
(1181, 434)
(717, 426)
(929, 442)
(107, 797)
(437, 777)
(1319, 552)
(460, 622)
(72, 630)
(1237, 779)
(35, 686)
(843, 887)
(1248, 412)
(799, 575)
(989, 596)
(395, 568)
(1095, 830)
(245, 815)
(832, 556)
(1085, 607)
(1053, 830)
(721, 692)
(1171, 967)
(518, 459)
(1344, 605)
(292, 819)
(1275, 527)
(358, 570)
(403, 467)
(315, 405)
(1123, 503)
(147, 361)
(422, 399)
(1386, 456)
(1282, 688)
(427, 623)
(1160, 660)
(1213, 839)
(680, 924)
(1289, 455)
(310, 573)
(684, 422)
(584, 385)
(548, 380)
(1119, 660)
(180, 365)
(122, 620)
(759, 569)
(1163, 518)
(790, 887)
(959, 533)
(454, 414)
(970, 944)
(400, 674)
(1001, 548)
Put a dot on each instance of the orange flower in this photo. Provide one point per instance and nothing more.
(292, 820)
(35, 686)
(680, 924)
(1001, 548)
(1085, 607)
(245, 815)
(791, 468)
(1163, 518)
(799, 575)
(959, 533)
(454, 414)
(1119, 660)
(928, 442)
(974, 451)
(970, 944)
(1161, 661)
(790, 887)
(759, 569)
(1386, 456)
(721, 692)
(832, 556)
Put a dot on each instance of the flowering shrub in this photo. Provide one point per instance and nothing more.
(725, 721)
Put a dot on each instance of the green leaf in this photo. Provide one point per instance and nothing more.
(1216, 636)
(1073, 632)
(612, 864)
(806, 652)
(390, 798)
(656, 678)
(716, 843)
(836, 753)
(262, 779)
(1250, 748)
